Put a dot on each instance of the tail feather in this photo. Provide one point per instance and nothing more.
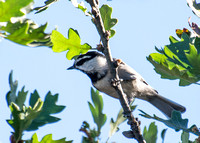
(165, 105)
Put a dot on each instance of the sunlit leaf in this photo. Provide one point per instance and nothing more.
(81, 6)
(26, 32)
(48, 139)
(13, 8)
(178, 60)
(72, 44)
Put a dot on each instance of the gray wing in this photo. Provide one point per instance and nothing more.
(127, 73)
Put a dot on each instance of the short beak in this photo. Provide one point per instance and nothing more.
(71, 68)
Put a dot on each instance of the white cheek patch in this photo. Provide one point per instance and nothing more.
(101, 63)
(95, 64)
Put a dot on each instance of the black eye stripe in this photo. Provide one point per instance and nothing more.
(86, 57)
(82, 61)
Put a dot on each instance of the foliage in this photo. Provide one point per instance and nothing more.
(21, 119)
(73, 43)
(108, 22)
(46, 139)
(106, 13)
(91, 134)
(47, 4)
(19, 29)
(81, 6)
(35, 115)
(114, 125)
(179, 60)
(185, 138)
(7, 11)
(97, 108)
(175, 122)
(150, 135)
(163, 133)
(48, 108)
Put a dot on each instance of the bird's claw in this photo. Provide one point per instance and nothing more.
(115, 82)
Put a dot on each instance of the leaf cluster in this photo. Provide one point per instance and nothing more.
(37, 114)
(91, 134)
(179, 60)
(175, 122)
(16, 28)
(72, 44)
(46, 139)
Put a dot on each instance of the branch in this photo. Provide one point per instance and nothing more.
(135, 128)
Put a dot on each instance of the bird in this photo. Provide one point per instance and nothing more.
(94, 64)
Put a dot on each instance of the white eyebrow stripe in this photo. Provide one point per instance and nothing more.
(85, 57)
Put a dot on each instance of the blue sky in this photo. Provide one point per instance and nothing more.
(142, 25)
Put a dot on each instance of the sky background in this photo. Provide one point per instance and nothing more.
(142, 25)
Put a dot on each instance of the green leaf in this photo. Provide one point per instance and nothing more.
(13, 8)
(185, 137)
(114, 125)
(22, 118)
(97, 99)
(26, 32)
(81, 6)
(194, 59)
(91, 134)
(34, 97)
(49, 108)
(163, 133)
(11, 95)
(48, 139)
(97, 109)
(21, 98)
(47, 4)
(150, 135)
(73, 43)
(179, 60)
(175, 122)
(108, 22)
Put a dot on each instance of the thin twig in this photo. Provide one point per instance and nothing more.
(135, 128)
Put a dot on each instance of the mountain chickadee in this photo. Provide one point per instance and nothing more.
(95, 66)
